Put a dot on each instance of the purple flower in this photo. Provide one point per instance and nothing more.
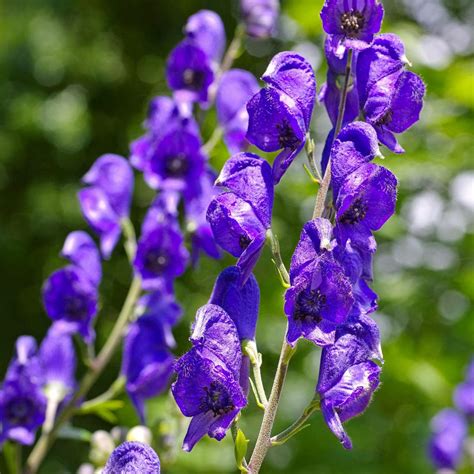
(189, 73)
(147, 362)
(81, 251)
(199, 229)
(207, 388)
(355, 145)
(161, 255)
(177, 163)
(133, 457)
(205, 30)
(58, 361)
(366, 200)
(393, 105)
(464, 393)
(22, 410)
(235, 89)
(240, 217)
(449, 430)
(280, 115)
(70, 297)
(353, 23)
(260, 17)
(25, 361)
(320, 296)
(107, 199)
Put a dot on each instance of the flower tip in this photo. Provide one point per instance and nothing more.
(405, 60)
(325, 244)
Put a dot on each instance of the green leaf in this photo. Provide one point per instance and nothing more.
(240, 450)
(104, 410)
(74, 433)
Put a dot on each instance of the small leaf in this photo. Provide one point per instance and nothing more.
(240, 450)
(74, 433)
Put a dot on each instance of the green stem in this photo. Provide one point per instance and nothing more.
(272, 240)
(298, 425)
(213, 140)
(130, 238)
(263, 440)
(323, 190)
(46, 440)
(233, 49)
(250, 349)
(113, 391)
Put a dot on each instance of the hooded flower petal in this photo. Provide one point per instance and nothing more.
(70, 297)
(189, 73)
(292, 74)
(206, 30)
(147, 363)
(240, 302)
(80, 250)
(260, 17)
(133, 457)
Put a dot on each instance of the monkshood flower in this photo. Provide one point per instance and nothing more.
(22, 410)
(58, 362)
(189, 72)
(280, 114)
(235, 89)
(106, 201)
(449, 430)
(347, 378)
(330, 92)
(133, 457)
(147, 362)
(240, 217)
(320, 296)
(207, 388)
(25, 361)
(206, 30)
(69, 296)
(161, 255)
(202, 238)
(163, 306)
(260, 17)
(464, 393)
(352, 22)
(366, 200)
(355, 145)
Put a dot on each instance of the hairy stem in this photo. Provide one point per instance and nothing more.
(46, 440)
(323, 190)
(263, 440)
(277, 260)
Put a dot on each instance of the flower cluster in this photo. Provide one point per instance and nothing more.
(450, 426)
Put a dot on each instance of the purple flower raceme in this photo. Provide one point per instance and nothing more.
(133, 457)
(347, 376)
(320, 296)
(147, 361)
(240, 217)
(189, 72)
(464, 393)
(205, 30)
(391, 98)
(260, 17)
(106, 201)
(280, 114)
(161, 255)
(70, 294)
(449, 430)
(235, 89)
(353, 23)
(207, 388)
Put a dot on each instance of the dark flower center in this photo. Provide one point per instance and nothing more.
(156, 262)
(19, 411)
(193, 80)
(176, 166)
(385, 119)
(286, 135)
(244, 241)
(309, 304)
(75, 307)
(352, 22)
(355, 213)
(217, 399)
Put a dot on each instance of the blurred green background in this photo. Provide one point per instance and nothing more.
(75, 78)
